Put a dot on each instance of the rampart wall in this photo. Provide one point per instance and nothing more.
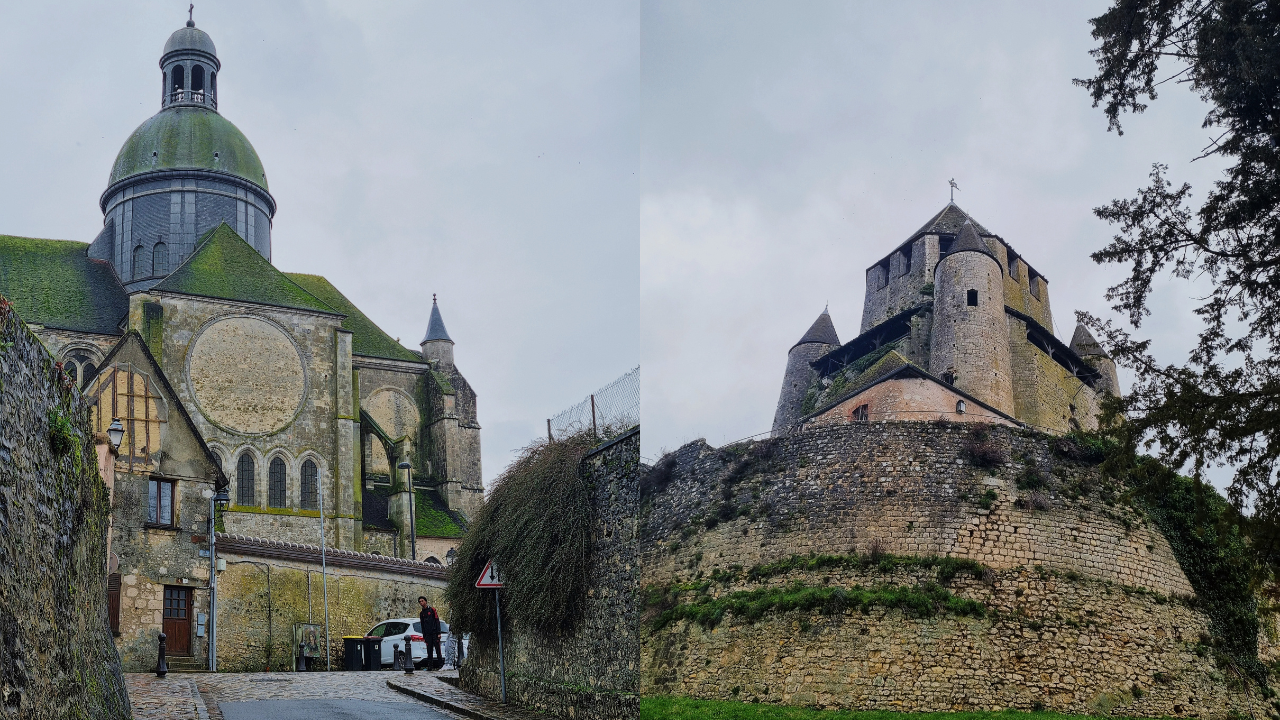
(56, 654)
(1082, 598)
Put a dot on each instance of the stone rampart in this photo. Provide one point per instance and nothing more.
(56, 654)
(1083, 600)
(592, 673)
(908, 487)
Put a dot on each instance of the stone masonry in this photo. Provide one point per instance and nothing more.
(592, 673)
(56, 655)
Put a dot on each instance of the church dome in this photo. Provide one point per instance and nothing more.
(188, 138)
(190, 38)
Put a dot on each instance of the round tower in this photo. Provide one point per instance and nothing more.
(183, 172)
(818, 341)
(1091, 351)
(969, 345)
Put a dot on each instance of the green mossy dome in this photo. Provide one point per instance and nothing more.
(187, 138)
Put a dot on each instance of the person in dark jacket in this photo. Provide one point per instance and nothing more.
(430, 620)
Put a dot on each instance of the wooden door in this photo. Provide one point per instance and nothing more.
(177, 620)
(113, 602)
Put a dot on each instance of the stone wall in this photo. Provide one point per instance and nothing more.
(1077, 646)
(906, 485)
(592, 673)
(56, 655)
(1084, 596)
(262, 594)
(1047, 396)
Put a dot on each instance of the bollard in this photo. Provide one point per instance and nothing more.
(395, 656)
(162, 667)
(408, 655)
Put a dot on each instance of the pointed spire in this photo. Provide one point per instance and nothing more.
(1084, 344)
(822, 331)
(435, 328)
(969, 241)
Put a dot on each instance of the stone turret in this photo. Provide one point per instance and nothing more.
(1091, 351)
(969, 347)
(818, 341)
(437, 346)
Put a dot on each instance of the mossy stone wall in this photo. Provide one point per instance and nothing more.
(57, 659)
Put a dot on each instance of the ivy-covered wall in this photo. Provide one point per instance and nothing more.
(57, 659)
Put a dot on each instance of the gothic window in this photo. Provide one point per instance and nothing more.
(125, 393)
(244, 480)
(973, 298)
(160, 502)
(138, 254)
(276, 484)
(310, 486)
(160, 260)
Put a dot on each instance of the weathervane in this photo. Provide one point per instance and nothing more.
(954, 188)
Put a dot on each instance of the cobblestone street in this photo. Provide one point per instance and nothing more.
(316, 695)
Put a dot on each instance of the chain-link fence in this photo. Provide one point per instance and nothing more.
(606, 412)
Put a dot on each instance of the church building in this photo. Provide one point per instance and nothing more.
(956, 326)
(229, 374)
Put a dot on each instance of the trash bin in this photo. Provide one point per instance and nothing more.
(353, 652)
(373, 653)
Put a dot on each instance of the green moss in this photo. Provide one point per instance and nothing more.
(681, 708)
(274, 511)
(432, 518)
(442, 380)
(225, 266)
(366, 337)
(668, 605)
(54, 283)
(188, 138)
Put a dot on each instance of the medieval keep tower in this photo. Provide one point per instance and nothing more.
(956, 326)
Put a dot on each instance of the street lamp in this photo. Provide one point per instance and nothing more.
(219, 501)
(413, 501)
(115, 434)
(450, 556)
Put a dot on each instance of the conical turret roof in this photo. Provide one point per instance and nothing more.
(969, 241)
(1084, 344)
(822, 331)
(435, 328)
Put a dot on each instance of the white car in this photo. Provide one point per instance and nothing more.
(402, 630)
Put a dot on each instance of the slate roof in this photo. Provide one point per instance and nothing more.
(970, 242)
(366, 338)
(224, 266)
(821, 331)
(54, 283)
(435, 328)
(948, 221)
(1084, 344)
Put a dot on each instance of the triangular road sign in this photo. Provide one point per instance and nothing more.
(490, 578)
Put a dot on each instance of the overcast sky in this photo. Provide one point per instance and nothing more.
(485, 152)
(787, 147)
(591, 185)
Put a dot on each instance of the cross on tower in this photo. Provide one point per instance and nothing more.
(191, 14)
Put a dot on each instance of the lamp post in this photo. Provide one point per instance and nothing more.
(219, 501)
(413, 501)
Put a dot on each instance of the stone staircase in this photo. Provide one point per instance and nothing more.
(188, 664)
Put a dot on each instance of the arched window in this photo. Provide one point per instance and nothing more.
(160, 260)
(973, 298)
(275, 485)
(138, 270)
(179, 76)
(69, 367)
(310, 486)
(213, 85)
(87, 373)
(197, 77)
(244, 480)
(217, 458)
